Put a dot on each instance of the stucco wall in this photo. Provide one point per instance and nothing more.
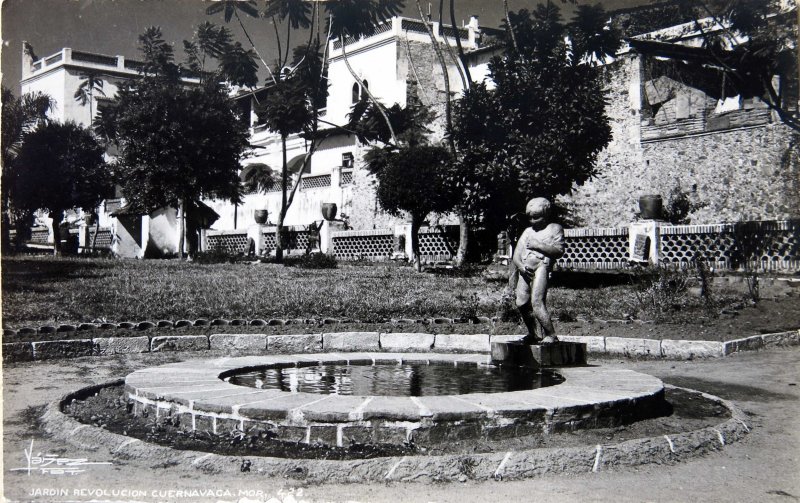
(737, 173)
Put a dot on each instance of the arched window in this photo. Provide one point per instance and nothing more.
(363, 91)
(355, 93)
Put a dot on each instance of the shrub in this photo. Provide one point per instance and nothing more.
(312, 261)
(659, 291)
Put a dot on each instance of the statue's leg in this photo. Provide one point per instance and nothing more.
(523, 302)
(539, 304)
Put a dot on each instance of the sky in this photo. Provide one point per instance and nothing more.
(112, 26)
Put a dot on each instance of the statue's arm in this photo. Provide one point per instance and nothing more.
(518, 250)
(553, 247)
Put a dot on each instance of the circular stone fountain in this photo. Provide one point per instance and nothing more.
(199, 394)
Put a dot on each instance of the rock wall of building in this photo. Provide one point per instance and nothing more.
(737, 174)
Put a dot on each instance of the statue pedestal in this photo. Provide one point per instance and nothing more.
(538, 356)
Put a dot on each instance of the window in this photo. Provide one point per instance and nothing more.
(358, 92)
(347, 160)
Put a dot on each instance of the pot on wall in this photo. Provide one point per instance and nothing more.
(651, 207)
(261, 216)
(329, 211)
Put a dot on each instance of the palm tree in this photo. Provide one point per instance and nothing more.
(90, 85)
(231, 8)
(20, 116)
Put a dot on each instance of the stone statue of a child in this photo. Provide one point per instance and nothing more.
(536, 252)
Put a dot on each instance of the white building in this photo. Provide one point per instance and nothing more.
(399, 55)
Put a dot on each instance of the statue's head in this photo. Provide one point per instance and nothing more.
(538, 209)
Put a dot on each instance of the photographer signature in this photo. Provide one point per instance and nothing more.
(53, 464)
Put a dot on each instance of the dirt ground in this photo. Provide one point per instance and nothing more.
(765, 466)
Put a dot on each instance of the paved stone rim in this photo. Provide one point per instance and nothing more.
(194, 392)
(510, 465)
(379, 341)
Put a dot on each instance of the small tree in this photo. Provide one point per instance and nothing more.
(413, 179)
(60, 167)
(178, 143)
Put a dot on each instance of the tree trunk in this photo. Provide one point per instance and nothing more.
(181, 227)
(461, 54)
(279, 244)
(96, 230)
(463, 240)
(510, 28)
(57, 216)
(447, 106)
(416, 223)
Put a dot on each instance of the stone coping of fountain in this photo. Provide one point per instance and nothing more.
(502, 465)
(589, 397)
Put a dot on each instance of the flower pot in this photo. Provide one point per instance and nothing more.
(329, 211)
(261, 216)
(651, 207)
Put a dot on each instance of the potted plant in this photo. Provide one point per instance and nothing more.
(329, 211)
(261, 216)
(651, 207)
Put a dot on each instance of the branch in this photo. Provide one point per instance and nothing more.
(425, 101)
(447, 105)
(254, 46)
(369, 94)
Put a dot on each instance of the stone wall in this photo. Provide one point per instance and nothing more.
(737, 173)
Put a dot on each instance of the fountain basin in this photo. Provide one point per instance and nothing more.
(195, 393)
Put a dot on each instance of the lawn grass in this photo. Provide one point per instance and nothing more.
(46, 290)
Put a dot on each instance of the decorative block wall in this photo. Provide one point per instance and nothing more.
(227, 242)
(437, 244)
(368, 245)
(602, 248)
(752, 245)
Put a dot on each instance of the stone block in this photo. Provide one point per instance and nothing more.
(351, 341)
(121, 345)
(791, 338)
(548, 355)
(464, 343)
(406, 342)
(746, 344)
(689, 350)
(506, 338)
(286, 344)
(45, 350)
(179, 343)
(238, 342)
(633, 347)
(17, 352)
(594, 344)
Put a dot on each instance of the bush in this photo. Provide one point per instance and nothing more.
(312, 261)
(659, 291)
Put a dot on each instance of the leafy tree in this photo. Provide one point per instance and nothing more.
(19, 117)
(60, 167)
(538, 132)
(178, 143)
